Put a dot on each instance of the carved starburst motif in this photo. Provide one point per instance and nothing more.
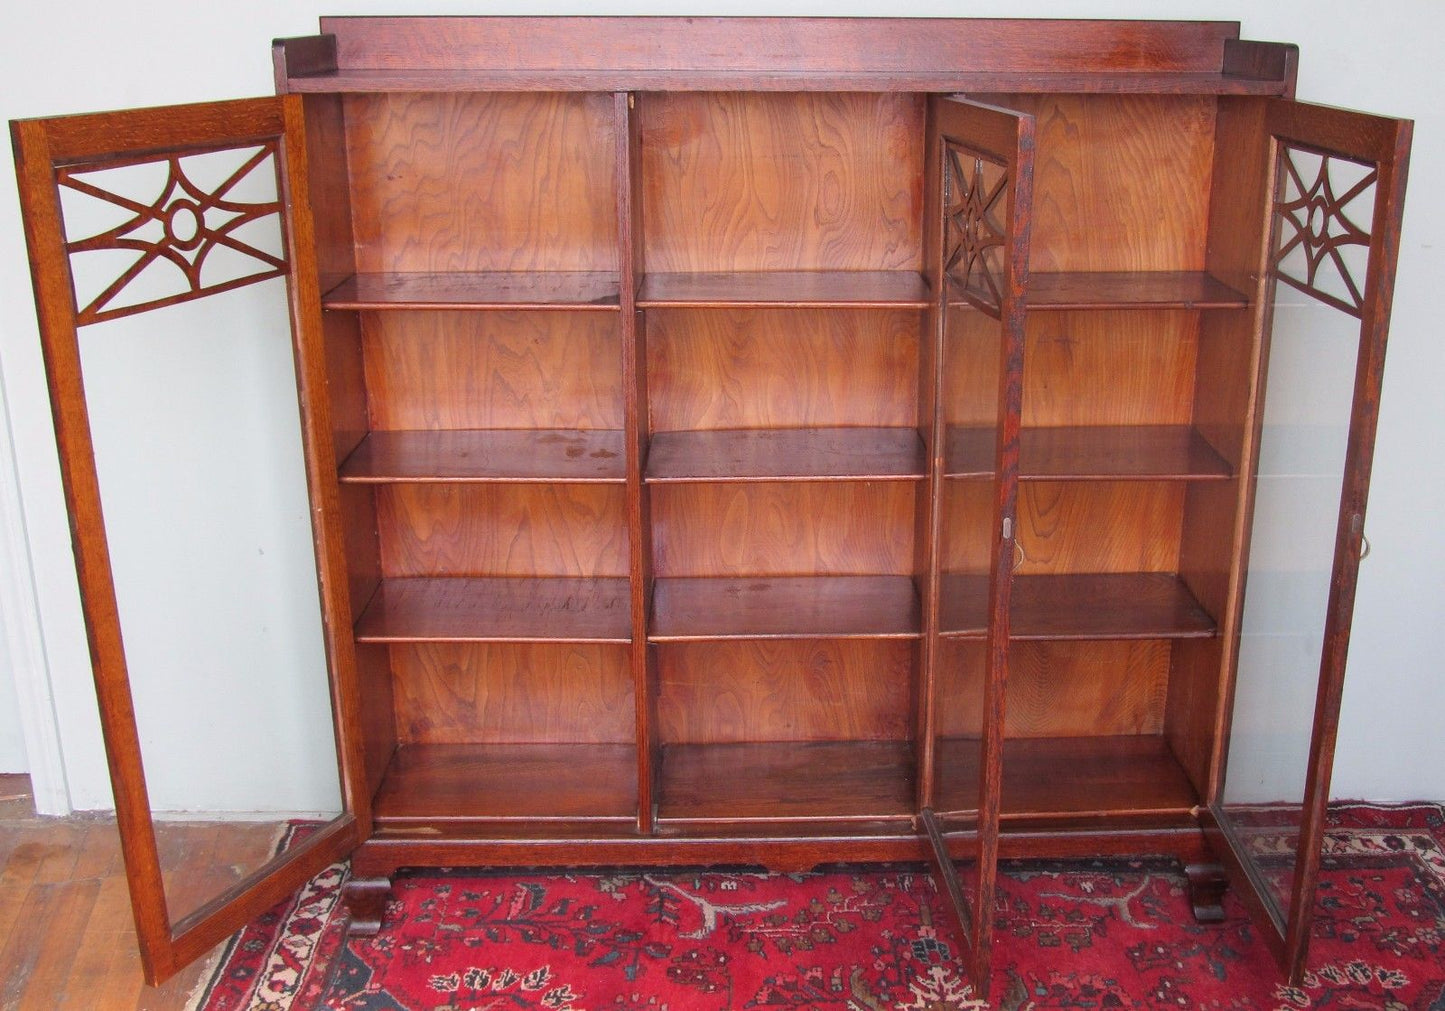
(1316, 227)
(975, 237)
(169, 235)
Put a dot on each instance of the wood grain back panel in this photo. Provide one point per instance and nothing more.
(754, 181)
(813, 690)
(1103, 526)
(782, 368)
(512, 693)
(1071, 689)
(1121, 182)
(1132, 367)
(435, 370)
(483, 181)
(502, 530)
(832, 529)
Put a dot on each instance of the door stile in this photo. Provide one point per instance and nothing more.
(44, 149)
(628, 139)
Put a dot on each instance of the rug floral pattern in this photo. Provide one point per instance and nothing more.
(1094, 935)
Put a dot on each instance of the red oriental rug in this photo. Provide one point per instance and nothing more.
(1098, 935)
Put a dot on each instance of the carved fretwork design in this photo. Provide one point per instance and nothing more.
(181, 227)
(974, 197)
(1315, 231)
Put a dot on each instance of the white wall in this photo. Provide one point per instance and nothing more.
(91, 55)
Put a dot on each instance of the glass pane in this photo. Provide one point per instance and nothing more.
(1312, 362)
(975, 207)
(197, 438)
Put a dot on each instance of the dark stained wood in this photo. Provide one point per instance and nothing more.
(862, 289)
(803, 607)
(1095, 453)
(1161, 289)
(1274, 61)
(722, 784)
(787, 454)
(742, 690)
(1067, 778)
(482, 182)
(476, 290)
(502, 529)
(812, 45)
(430, 784)
(461, 609)
(523, 456)
(511, 693)
(1207, 884)
(366, 901)
(782, 368)
(794, 182)
(362, 81)
(948, 874)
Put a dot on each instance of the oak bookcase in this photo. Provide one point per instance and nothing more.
(786, 441)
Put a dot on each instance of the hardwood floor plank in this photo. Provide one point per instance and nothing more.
(36, 960)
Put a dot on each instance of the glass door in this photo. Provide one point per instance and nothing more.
(983, 171)
(1338, 186)
(177, 298)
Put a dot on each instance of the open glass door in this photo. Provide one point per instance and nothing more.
(983, 172)
(1338, 185)
(178, 306)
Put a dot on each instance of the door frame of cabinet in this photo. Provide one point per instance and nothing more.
(1384, 145)
(45, 149)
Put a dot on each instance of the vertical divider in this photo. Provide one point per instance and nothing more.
(634, 387)
(928, 548)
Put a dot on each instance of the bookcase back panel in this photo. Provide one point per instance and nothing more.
(1133, 367)
(810, 690)
(502, 530)
(786, 529)
(782, 368)
(447, 182)
(512, 693)
(439, 370)
(1099, 526)
(1074, 689)
(1121, 182)
(778, 181)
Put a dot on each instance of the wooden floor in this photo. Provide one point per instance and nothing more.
(66, 936)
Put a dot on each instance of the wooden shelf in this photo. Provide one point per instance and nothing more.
(800, 607)
(793, 454)
(1099, 453)
(428, 783)
(497, 609)
(1068, 778)
(1094, 606)
(1146, 289)
(859, 289)
(722, 784)
(477, 290)
(523, 456)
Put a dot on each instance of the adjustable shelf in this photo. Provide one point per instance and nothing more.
(1099, 453)
(477, 290)
(522, 456)
(800, 607)
(431, 783)
(1145, 289)
(1071, 778)
(497, 609)
(1092, 606)
(794, 454)
(780, 781)
(845, 289)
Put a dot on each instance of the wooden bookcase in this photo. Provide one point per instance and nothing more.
(785, 442)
